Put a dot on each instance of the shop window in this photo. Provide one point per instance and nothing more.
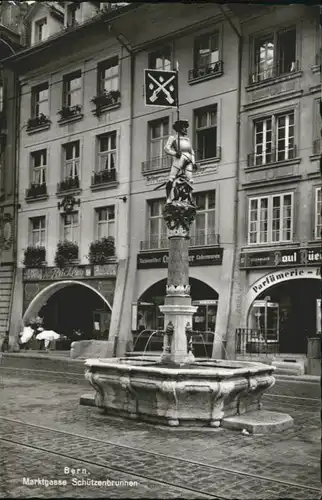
(37, 231)
(160, 59)
(108, 75)
(274, 55)
(158, 136)
(71, 160)
(72, 85)
(270, 219)
(206, 133)
(203, 228)
(157, 228)
(40, 103)
(105, 222)
(273, 139)
(40, 30)
(107, 152)
(71, 227)
(318, 214)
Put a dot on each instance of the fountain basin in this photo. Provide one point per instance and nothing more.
(201, 394)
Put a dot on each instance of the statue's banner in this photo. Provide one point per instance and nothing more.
(161, 88)
(197, 257)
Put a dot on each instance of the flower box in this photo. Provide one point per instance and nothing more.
(68, 184)
(69, 111)
(105, 100)
(66, 253)
(100, 251)
(36, 190)
(38, 121)
(34, 256)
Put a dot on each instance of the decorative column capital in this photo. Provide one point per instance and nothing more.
(178, 216)
(178, 290)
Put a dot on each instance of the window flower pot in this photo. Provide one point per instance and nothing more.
(101, 250)
(66, 253)
(34, 256)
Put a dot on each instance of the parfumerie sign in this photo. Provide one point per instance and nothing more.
(201, 257)
(277, 277)
(60, 273)
(282, 258)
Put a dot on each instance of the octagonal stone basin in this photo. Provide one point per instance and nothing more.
(201, 394)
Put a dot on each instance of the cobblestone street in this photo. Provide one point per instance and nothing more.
(44, 430)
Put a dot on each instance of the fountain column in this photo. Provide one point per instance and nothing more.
(177, 308)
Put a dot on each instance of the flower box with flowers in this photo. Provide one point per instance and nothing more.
(68, 184)
(36, 190)
(69, 112)
(66, 253)
(34, 256)
(107, 100)
(38, 121)
(100, 251)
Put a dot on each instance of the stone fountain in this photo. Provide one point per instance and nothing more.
(177, 389)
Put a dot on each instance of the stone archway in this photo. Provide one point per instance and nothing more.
(41, 298)
(274, 278)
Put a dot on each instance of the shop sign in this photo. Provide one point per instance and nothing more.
(281, 258)
(279, 276)
(201, 257)
(59, 273)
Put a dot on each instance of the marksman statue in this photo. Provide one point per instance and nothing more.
(179, 186)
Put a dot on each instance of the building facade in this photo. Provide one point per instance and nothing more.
(11, 40)
(73, 172)
(92, 159)
(277, 292)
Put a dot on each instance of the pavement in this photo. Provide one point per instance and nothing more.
(44, 432)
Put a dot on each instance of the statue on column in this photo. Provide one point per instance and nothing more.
(179, 186)
(180, 211)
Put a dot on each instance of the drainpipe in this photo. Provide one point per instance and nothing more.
(17, 94)
(230, 339)
(127, 47)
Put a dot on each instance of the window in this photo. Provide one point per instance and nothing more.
(158, 136)
(206, 50)
(206, 133)
(71, 227)
(71, 14)
(275, 55)
(40, 100)
(161, 59)
(270, 219)
(274, 138)
(40, 33)
(203, 229)
(108, 75)
(318, 214)
(39, 166)
(107, 152)
(72, 89)
(37, 233)
(156, 225)
(71, 160)
(105, 222)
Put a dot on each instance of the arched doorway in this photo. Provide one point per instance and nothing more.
(73, 309)
(287, 312)
(202, 295)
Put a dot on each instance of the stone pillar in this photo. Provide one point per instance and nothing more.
(177, 308)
